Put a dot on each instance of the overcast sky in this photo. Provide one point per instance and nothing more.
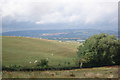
(59, 14)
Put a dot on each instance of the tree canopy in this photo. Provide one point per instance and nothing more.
(100, 50)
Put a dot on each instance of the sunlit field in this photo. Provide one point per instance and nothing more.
(27, 51)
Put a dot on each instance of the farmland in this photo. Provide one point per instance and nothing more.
(25, 51)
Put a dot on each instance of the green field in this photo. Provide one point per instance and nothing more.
(24, 51)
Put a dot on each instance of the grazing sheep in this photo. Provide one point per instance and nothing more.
(35, 61)
(52, 54)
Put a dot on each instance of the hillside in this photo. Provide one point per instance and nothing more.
(25, 51)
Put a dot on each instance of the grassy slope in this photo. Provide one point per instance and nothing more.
(21, 51)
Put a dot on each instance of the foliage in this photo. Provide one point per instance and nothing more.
(99, 50)
(42, 63)
(12, 67)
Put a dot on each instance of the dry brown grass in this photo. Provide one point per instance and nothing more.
(101, 72)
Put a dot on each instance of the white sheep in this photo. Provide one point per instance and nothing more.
(52, 54)
(35, 61)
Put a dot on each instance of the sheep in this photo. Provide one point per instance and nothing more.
(35, 61)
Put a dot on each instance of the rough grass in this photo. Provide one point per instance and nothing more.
(101, 72)
(22, 51)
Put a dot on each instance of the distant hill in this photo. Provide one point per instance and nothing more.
(25, 51)
(68, 34)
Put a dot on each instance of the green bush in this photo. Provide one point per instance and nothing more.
(100, 50)
(42, 63)
(12, 67)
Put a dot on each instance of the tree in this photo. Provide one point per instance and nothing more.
(100, 50)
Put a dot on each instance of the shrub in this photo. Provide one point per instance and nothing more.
(68, 63)
(59, 64)
(42, 63)
(12, 67)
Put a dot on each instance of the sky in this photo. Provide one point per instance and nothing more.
(58, 14)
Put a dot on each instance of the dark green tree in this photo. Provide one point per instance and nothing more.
(100, 50)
